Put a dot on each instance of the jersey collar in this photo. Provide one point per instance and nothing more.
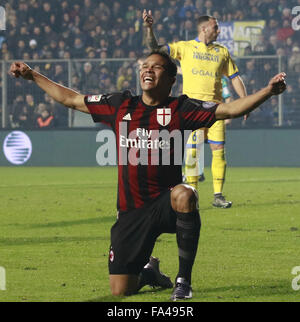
(198, 40)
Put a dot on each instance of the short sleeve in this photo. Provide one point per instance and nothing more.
(103, 108)
(176, 50)
(230, 69)
(196, 114)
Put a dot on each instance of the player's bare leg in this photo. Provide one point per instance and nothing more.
(218, 169)
(184, 201)
(122, 285)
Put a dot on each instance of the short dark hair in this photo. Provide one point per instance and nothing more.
(203, 19)
(171, 66)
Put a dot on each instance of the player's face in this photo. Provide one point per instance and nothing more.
(212, 30)
(153, 73)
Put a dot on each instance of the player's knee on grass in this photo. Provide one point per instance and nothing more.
(123, 285)
(184, 198)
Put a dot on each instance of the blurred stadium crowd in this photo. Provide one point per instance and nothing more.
(90, 29)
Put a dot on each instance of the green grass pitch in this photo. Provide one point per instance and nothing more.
(55, 226)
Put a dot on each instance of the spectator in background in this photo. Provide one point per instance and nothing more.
(60, 115)
(292, 109)
(62, 48)
(25, 117)
(249, 75)
(265, 73)
(132, 39)
(24, 33)
(78, 48)
(288, 46)
(30, 103)
(286, 31)
(239, 15)
(138, 20)
(255, 14)
(37, 35)
(60, 75)
(286, 14)
(271, 13)
(271, 28)
(208, 8)
(187, 6)
(87, 9)
(20, 49)
(5, 53)
(130, 14)
(90, 23)
(45, 120)
(116, 10)
(169, 17)
(49, 34)
(45, 13)
(22, 12)
(273, 43)
(142, 4)
(88, 79)
(53, 48)
(33, 47)
(263, 47)
(15, 111)
(294, 61)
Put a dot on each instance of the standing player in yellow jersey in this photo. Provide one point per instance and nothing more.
(203, 63)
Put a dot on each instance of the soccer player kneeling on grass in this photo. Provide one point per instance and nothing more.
(151, 198)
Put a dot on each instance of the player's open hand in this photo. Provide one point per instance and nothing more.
(147, 17)
(277, 84)
(18, 69)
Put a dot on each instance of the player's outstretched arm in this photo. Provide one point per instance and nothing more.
(240, 89)
(149, 37)
(247, 104)
(59, 93)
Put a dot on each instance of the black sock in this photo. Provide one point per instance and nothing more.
(187, 233)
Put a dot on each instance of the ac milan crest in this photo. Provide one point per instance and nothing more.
(111, 256)
(163, 116)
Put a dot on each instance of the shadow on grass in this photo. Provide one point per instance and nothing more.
(234, 292)
(111, 298)
(250, 205)
(22, 241)
(231, 293)
(98, 220)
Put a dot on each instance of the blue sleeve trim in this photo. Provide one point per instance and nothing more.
(168, 48)
(214, 142)
(193, 146)
(234, 75)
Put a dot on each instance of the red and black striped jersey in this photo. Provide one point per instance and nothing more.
(150, 141)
